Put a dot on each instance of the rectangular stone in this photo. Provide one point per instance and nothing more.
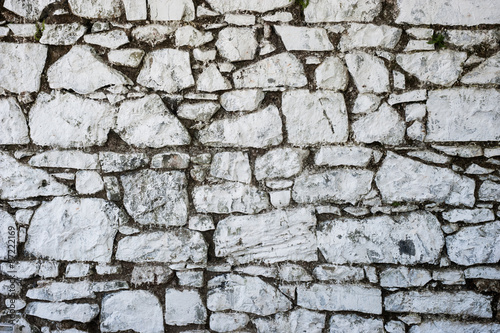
(440, 326)
(488, 273)
(411, 96)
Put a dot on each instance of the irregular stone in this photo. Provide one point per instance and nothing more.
(437, 326)
(488, 273)
(201, 111)
(411, 96)
(469, 215)
(293, 273)
(370, 35)
(325, 121)
(184, 307)
(211, 80)
(64, 291)
(88, 182)
(442, 68)
(126, 57)
(266, 237)
(468, 151)
(470, 38)
(466, 303)
(21, 66)
(60, 311)
(242, 100)
(135, 10)
(369, 72)
(189, 36)
(338, 185)
(475, 169)
(30, 9)
(280, 199)
(334, 297)
(407, 239)
(9, 237)
(348, 323)
(153, 33)
(304, 38)
(240, 19)
(137, 310)
(245, 294)
(201, 222)
(24, 269)
(171, 10)
(258, 130)
(487, 72)
(118, 162)
(77, 270)
(384, 126)
(228, 198)
(449, 276)
(415, 111)
(299, 320)
(167, 70)
(489, 191)
(237, 44)
(343, 10)
(147, 122)
(105, 9)
(19, 181)
(13, 127)
(228, 322)
(112, 39)
(62, 34)
(204, 56)
(71, 159)
(403, 179)
(74, 229)
(366, 103)
(463, 114)
(171, 160)
(226, 6)
(475, 245)
(404, 277)
(231, 166)
(343, 155)
(339, 273)
(150, 274)
(331, 74)
(280, 163)
(281, 70)
(190, 278)
(278, 17)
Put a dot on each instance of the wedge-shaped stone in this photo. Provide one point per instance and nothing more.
(349, 323)
(403, 179)
(439, 326)
(229, 198)
(102, 9)
(299, 320)
(171, 10)
(384, 126)
(211, 80)
(83, 71)
(62, 34)
(60, 311)
(280, 163)
(242, 100)
(19, 181)
(21, 66)
(30, 9)
(369, 72)
(146, 122)
(334, 297)
(370, 35)
(342, 10)
(339, 185)
(66, 120)
(71, 159)
(172, 246)
(487, 72)
(463, 114)
(237, 44)
(281, 70)
(226, 6)
(315, 117)
(259, 130)
(126, 57)
(414, 238)
(112, 39)
(189, 36)
(13, 127)
(268, 237)
(304, 38)
(245, 294)
(77, 229)
(201, 111)
(466, 303)
(152, 197)
(8, 237)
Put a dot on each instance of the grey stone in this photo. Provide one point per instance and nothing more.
(349, 323)
(489, 191)
(343, 10)
(404, 277)
(410, 96)
(293, 273)
(171, 160)
(296, 321)
(184, 307)
(71, 159)
(77, 270)
(304, 38)
(30, 9)
(60, 311)
(153, 33)
(67, 291)
(449, 276)
(233, 166)
(150, 274)
(13, 127)
(280, 163)
(438, 326)
(384, 126)
(62, 34)
(488, 273)
(119, 162)
(369, 72)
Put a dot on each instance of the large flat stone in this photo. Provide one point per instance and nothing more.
(30, 9)
(348, 323)
(296, 321)
(60, 311)
(368, 71)
(342, 10)
(304, 38)
(103, 9)
(443, 325)
(13, 127)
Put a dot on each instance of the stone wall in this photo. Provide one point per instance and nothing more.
(249, 166)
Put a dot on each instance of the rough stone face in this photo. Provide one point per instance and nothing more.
(246, 294)
(69, 228)
(62, 34)
(8, 235)
(201, 111)
(237, 44)
(438, 326)
(403, 179)
(384, 126)
(487, 72)
(469, 215)
(454, 303)
(370, 35)
(13, 127)
(282, 70)
(67, 291)
(118, 162)
(184, 308)
(211, 80)
(231, 166)
(343, 155)
(242, 100)
(475, 245)
(229, 198)
(88, 182)
(324, 122)
(146, 122)
(126, 57)
(338, 273)
(171, 10)
(489, 191)
(463, 114)
(60, 311)
(267, 237)
(296, 321)
(30, 9)
(304, 38)
(228, 322)
(152, 197)
(334, 297)
(443, 67)
(105, 9)
(226, 6)
(338, 185)
(369, 72)
(172, 246)
(135, 10)
(110, 39)
(167, 70)
(350, 322)
(279, 163)
(136, 310)
(189, 36)
(331, 74)
(21, 66)
(66, 120)
(259, 129)
(407, 239)
(404, 277)
(343, 10)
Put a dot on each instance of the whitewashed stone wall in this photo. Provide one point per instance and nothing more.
(249, 166)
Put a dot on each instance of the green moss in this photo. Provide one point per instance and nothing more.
(438, 40)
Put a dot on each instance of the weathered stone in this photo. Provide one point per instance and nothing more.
(259, 130)
(105, 9)
(281, 70)
(167, 70)
(118, 162)
(190, 278)
(339, 185)
(21, 66)
(26, 269)
(211, 80)
(343, 10)
(366, 103)
(135, 10)
(338, 273)
(240, 19)
(304, 38)
(171, 160)
(466, 303)
(299, 320)
(171, 10)
(228, 322)
(242, 100)
(410, 96)
(369, 72)
(62, 34)
(407, 239)
(469, 215)
(9, 238)
(60, 311)
(438, 326)
(189, 36)
(77, 270)
(88, 182)
(72, 159)
(293, 273)
(30, 9)
(353, 323)
(231, 166)
(112, 39)
(487, 72)
(126, 57)
(201, 111)
(228, 198)
(64, 291)
(403, 179)
(280, 163)
(184, 308)
(226, 6)
(404, 277)
(449, 276)
(489, 191)
(13, 127)
(267, 237)
(237, 44)
(488, 273)
(331, 74)
(384, 126)
(245, 294)
(150, 274)
(343, 155)
(153, 33)
(370, 35)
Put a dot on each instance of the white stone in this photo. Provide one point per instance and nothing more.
(278, 17)
(228, 322)
(246, 294)
(280, 163)
(449, 276)
(234, 166)
(420, 33)
(324, 122)
(331, 74)
(469, 215)
(189, 36)
(184, 308)
(429, 156)
(487, 72)
(404, 277)
(265, 271)
(66, 291)
(10, 288)
(369, 72)
(349, 323)
(410, 96)
(240, 19)
(204, 55)
(416, 131)
(88, 182)
(280, 199)
(419, 45)
(135, 10)
(403, 179)
(384, 126)
(242, 100)
(339, 185)
(415, 111)
(201, 111)
(281, 70)
(167, 70)
(489, 273)
(467, 151)
(296, 321)
(229, 197)
(104, 9)
(211, 80)
(60, 311)
(118, 162)
(489, 191)
(126, 57)
(470, 38)
(13, 127)
(304, 38)
(279, 184)
(112, 39)
(343, 10)
(438, 326)
(9, 237)
(71, 159)
(30, 9)
(146, 122)
(77, 270)
(153, 33)
(14, 304)
(237, 44)
(226, 6)
(190, 278)
(395, 326)
(338, 273)
(475, 169)
(62, 34)
(366, 103)
(293, 273)
(343, 155)
(21, 66)
(463, 114)
(442, 68)
(64, 120)
(370, 35)
(150, 274)
(171, 10)
(136, 310)
(259, 130)
(18, 269)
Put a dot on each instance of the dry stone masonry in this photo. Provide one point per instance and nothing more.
(248, 166)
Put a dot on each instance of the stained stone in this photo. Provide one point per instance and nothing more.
(469, 215)
(153, 33)
(343, 10)
(189, 36)
(135, 10)
(304, 38)
(171, 160)
(338, 273)
(348, 323)
(112, 39)
(62, 34)
(369, 72)
(126, 57)
(404, 277)
(104, 9)
(60, 311)
(297, 321)
(13, 127)
(487, 72)
(30, 9)
(118, 162)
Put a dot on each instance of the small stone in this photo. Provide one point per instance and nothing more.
(153, 33)
(449, 277)
(126, 57)
(190, 278)
(201, 111)
(211, 80)
(22, 30)
(350, 322)
(104, 269)
(62, 34)
(370, 35)
(404, 277)
(135, 10)
(118, 162)
(171, 160)
(436, 326)
(60, 311)
(395, 326)
(487, 72)
(242, 100)
(331, 74)
(240, 19)
(411, 96)
(368, 71)
(488, 273)
(280, 163)
(13, 127)
(228, 322)
(204, 56)
(171, 10)
(237, 44)
(265, 271)
(429, 156)
(105, 9)
(112, 39)
(71, 159)
(189, 36)
(416, 131)
(366, 103)
(88, 182)
(415, 112)
(278, 17)
(420, 33)
(338, 273)
(343, 156)
(280, 199)
(304, 38)
(279, 184)
(112, 188)
(461, 151)
(184, 308)
(150, 274)
(231, 166)
(15, 304)
(469, 215)
(299, 320)
(10, 288)
(293, 273)
(343, 10)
